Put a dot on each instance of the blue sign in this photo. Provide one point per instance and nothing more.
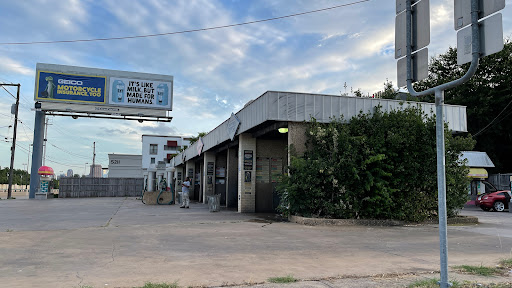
(70, 88)
(43, 187)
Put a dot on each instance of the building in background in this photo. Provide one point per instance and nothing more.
(69, 173)
(160, 149)
(124, 166)
(95, 171)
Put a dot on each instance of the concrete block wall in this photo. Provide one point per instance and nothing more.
(246, 190)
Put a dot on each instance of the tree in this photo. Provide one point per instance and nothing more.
(380, 166)
(199, 135)
(20, 177)
(487, 96)
(389, 91)
(358, 93)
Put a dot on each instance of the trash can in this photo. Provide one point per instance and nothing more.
(214, 203)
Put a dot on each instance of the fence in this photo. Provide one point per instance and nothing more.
(100, 187)
(501, 181)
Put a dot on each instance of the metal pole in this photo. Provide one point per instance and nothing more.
(37, 152)
(45, 140)
(441, 188)
(13, 147)
(28, 164)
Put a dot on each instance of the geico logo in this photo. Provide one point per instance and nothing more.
(72, 82)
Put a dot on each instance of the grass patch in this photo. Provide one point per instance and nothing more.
(506, 263)
(285, 279)
(159, 285)
(479, 270)
(432, 283)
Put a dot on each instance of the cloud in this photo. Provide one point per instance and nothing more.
(8, 66)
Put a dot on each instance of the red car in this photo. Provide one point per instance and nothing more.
(495, 200)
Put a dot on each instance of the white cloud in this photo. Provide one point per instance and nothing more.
(8, 65)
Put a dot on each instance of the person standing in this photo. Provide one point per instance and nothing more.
(185, 201)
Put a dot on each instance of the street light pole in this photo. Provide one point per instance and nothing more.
(13, 147)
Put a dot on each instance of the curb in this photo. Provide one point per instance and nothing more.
(373, 222)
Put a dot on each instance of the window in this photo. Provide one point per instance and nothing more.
(173, 148)
(153, 149)
(152, 160)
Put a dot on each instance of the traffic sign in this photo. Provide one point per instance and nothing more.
(462, 11)
(419, 68)
(491, 39)
(420, 29)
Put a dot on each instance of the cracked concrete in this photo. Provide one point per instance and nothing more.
(56, 241)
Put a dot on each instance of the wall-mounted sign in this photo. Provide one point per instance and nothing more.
(247, 176)
(220, 172)
(200, 145)
(63, 87)
(233, 124)
(248, 159)
(209, 168)
(140, 93)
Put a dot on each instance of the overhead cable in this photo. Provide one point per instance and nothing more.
(184, 31)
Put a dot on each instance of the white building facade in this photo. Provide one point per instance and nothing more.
(124, 166)
(159, 149)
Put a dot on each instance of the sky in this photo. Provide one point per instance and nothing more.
(215, 72)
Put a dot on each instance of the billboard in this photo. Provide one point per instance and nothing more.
(141, 93)
(78, 89)
(64, 87)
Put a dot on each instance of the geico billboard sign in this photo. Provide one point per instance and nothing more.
(72, 82)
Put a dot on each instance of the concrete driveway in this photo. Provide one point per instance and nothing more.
(118, 242)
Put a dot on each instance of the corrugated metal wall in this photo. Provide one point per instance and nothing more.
(299, 107)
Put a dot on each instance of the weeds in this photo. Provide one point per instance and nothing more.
(479, 270)
(159, 285)
(286, 279)
(506, 263)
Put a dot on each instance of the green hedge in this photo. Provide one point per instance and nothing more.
(380, 166)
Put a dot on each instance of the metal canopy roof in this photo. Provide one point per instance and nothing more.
(477, 159)
(300, 107)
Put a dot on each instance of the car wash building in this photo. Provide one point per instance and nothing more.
(245, 157)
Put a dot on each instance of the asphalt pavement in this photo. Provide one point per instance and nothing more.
(120, 242)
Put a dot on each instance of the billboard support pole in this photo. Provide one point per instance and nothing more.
(37, 154)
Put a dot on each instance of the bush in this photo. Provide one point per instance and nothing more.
(380, 166)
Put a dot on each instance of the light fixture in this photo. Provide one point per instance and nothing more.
(283, 130)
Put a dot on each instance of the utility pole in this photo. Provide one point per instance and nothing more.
(93, 158)
(13, 147)
(28, 163)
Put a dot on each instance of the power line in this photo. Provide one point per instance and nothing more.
(489, 125)
(185, 31)
(9, 92)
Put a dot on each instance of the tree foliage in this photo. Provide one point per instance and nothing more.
(380, 166)
(20, 177)
(487, 94)
(389, 91)
(199, 135)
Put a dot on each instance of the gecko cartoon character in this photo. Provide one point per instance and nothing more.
(48, 91)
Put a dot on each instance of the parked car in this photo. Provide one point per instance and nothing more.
(493, 199)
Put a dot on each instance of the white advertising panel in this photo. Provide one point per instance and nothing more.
(140, 93)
